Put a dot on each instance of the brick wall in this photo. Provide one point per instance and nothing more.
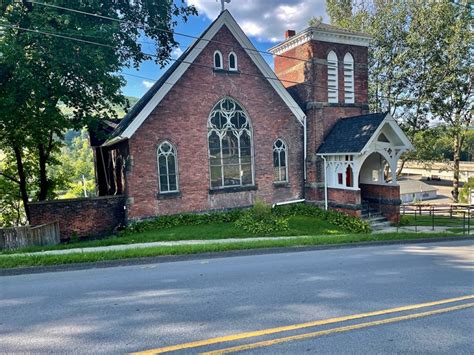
(182, 117)
(347, 201)
(85, 217)
(312, 96)
(385, 197)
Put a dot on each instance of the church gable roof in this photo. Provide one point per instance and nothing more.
(351, 134)
(144, 107)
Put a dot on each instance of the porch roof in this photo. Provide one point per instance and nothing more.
(351, 134)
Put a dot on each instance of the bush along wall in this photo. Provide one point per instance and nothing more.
(345, 222)
(253, 218)
(183, 219)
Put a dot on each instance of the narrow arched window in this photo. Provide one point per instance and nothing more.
(230, 145)
(332, 78)
(349, 177)
(218, 60)
(167, 168)
(349, 79)
(233, 61)
(280, 161)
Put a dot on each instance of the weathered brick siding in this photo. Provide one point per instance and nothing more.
(182, 117)
(85, 217)
(385, 197)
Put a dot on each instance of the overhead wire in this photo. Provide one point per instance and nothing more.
(144, 27)
(189, 62)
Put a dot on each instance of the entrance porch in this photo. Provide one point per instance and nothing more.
(362, 172)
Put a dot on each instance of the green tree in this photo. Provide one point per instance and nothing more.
(419, 65)
(75, 175)
(39, 72)
(449, 83)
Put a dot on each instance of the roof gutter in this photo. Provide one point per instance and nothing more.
(113, 141)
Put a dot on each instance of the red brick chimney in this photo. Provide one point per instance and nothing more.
(289, 33)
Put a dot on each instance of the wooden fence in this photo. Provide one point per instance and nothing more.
(20, 237)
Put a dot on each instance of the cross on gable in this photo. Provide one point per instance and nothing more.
(223, 4)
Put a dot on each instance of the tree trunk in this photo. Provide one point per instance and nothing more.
(22, 181)
(402, 165)
(457, 154)
(44, 185)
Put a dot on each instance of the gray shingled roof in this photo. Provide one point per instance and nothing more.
(351, 134)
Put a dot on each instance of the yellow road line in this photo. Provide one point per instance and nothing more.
(269, 331)
(266, 343)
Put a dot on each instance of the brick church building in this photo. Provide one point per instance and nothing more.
(221, 129)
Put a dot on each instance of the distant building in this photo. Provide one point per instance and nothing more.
(414, 190)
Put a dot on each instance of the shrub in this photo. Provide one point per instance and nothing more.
(183, 219)
(343, 221)
(261, 220)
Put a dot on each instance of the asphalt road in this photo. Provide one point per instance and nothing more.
(142, 307)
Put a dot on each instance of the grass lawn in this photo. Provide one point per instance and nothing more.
(40, 260)
(299, 225)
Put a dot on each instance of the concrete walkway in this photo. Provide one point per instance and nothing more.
(149, 245)
(119, 247)
(413, 229)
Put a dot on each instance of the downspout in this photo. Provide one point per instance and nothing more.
(304, 149)
(325, 184)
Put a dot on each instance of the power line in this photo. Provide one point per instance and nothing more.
(154, 55)
(175, 33)
(196, 64)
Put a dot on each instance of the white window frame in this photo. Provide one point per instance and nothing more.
(349, 88)
(174, 153)
(283, 148)
(221, 60)
(333, 78)
(235, 60)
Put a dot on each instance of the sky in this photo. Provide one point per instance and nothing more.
(264, 21)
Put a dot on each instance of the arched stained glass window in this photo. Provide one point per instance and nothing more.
(280, 161)
(167, 168)
(230, 145)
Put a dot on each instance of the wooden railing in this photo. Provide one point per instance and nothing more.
(20, 237)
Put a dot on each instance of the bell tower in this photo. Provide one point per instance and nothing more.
(325, 69)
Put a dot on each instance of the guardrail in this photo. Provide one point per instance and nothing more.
(456, 218)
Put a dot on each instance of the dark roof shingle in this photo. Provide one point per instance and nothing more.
(351, 134)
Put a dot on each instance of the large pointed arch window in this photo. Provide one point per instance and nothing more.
(167, 168)
(230, 145)
(332, 78)
(349, 79)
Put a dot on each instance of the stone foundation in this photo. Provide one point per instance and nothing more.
(84, 217)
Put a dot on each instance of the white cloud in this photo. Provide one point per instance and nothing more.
(176, 52)
(266, 20)
(147, 84)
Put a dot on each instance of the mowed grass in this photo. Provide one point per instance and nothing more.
(15, 261)
(298, 226)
